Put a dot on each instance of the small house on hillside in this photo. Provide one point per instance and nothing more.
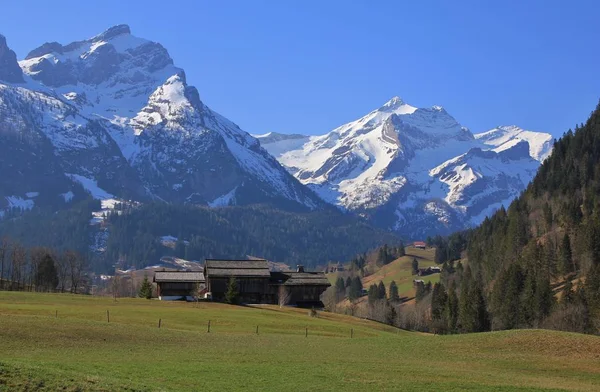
(179, 285)
(419, 245)
(429, 271)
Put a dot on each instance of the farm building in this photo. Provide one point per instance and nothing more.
(177, 285)
(256, 284)
(429, 271)
(299, 288)
(252, 278)
(420, 245)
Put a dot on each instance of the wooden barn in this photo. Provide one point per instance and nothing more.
(420, 245)
(252, 278)
(299, 288)
(256, 284)
(179, 285)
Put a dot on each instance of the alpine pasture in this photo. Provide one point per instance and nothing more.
(65, 342)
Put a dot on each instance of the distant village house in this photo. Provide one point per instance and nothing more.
(419, 245)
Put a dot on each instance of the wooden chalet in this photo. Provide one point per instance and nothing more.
(419, 245)
(256, 284)
(300, 288)
(179, 285)
(252, 278)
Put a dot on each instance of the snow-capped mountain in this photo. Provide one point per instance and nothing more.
(415, 170)
(114, 113)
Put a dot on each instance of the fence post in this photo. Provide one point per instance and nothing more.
(208, 330)
(351, 333)
(107, 316)
(257, 329)
(159, 322)
(306, 332)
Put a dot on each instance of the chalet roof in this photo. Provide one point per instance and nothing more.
(299, 279)
(307, 279)
(237, 268)
(179, 276)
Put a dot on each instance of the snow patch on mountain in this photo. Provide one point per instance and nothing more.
(91, 186)
(504, 137)
(225, 200)
(19, 202)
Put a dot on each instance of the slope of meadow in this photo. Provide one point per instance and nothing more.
(80, 351)
(400, 271)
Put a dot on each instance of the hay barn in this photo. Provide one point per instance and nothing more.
(179, 285)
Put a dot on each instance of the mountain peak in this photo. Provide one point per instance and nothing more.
(9, 67)
(112, 32)
(393, 103)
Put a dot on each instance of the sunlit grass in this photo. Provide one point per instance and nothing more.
(80, 350)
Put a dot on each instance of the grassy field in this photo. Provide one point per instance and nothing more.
(400, 271)
(80, 350)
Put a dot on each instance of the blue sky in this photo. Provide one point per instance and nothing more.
(307, 66)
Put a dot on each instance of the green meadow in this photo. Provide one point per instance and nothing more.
(55, 342)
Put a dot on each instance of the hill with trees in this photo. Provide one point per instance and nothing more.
(537, 263)
(133, 233)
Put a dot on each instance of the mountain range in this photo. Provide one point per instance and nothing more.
(113, 117)
(416, 171)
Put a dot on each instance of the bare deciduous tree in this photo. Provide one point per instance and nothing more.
(36, 256)
(330, 300)
(4, 248)
(19, 263)
(62, 269)
(284, 296)
(75, 264)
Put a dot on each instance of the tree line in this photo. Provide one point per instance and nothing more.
(40, 268)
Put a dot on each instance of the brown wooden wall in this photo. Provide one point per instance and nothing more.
(249, 289)
(177, 288)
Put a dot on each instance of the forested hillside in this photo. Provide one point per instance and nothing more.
(134, 233)
(311, 238)
(537, 264)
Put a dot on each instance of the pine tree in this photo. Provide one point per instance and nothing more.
(47, 275)
(340, 285)
(145, 289)
(232, 295)
(420, 292)
(568, 296)
(439, 300)
(348, 282)
(481, 319)
(373, 294)
(565, 265)
(415, 266)
(394, 296)
(544, 298)
(452, 308)
(464, 310)
(441, 253)
(355, 290)
(401, 251)
(381, 294)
